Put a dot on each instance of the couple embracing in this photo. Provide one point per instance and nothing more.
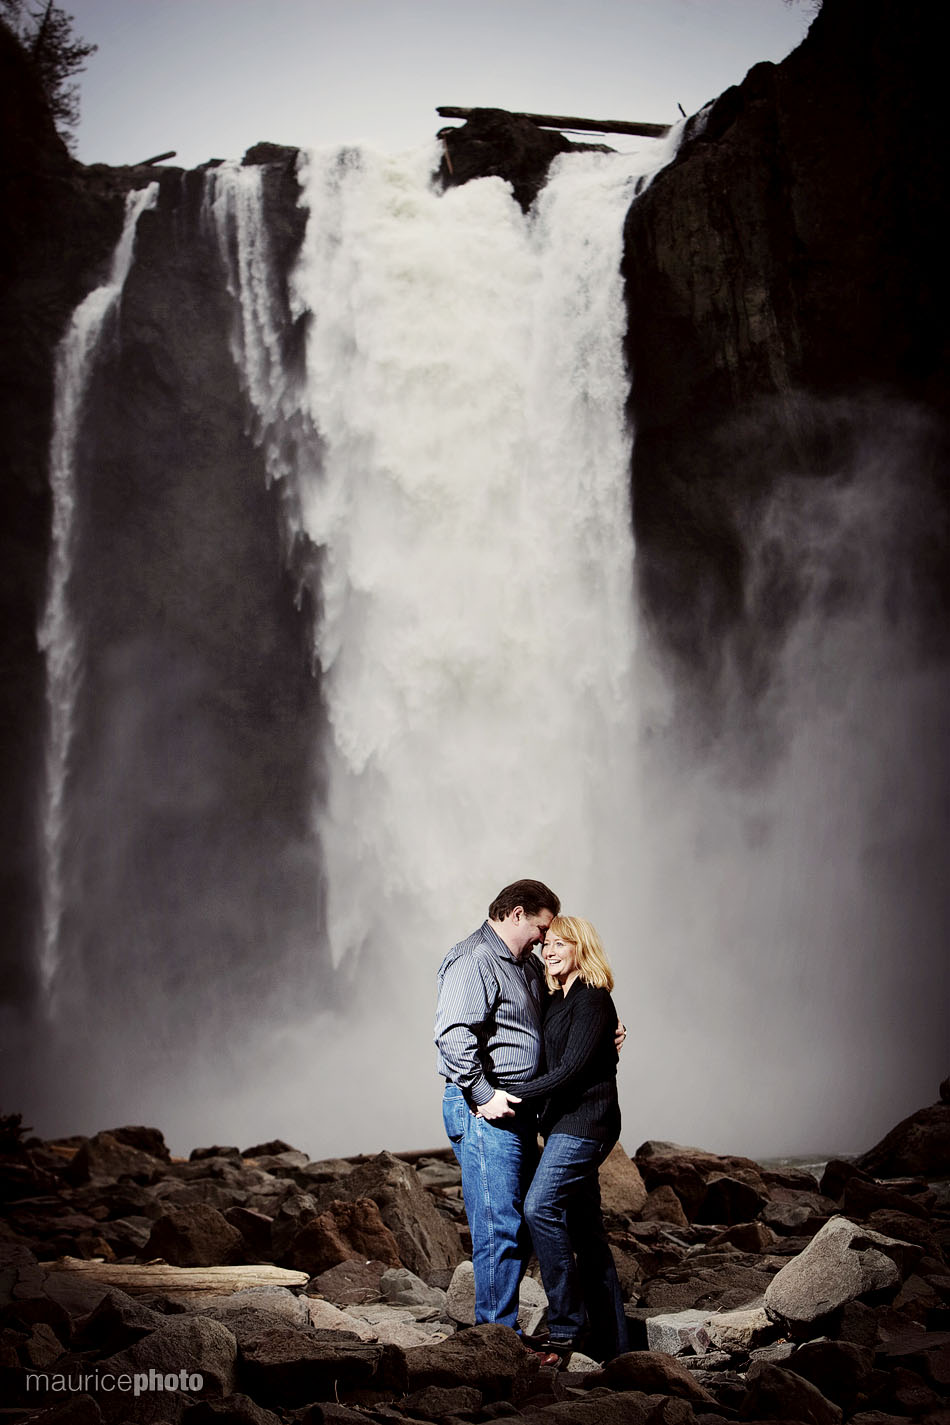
(527, 1046)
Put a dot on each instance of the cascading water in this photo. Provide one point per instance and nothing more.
(459, 455)
(59, 632)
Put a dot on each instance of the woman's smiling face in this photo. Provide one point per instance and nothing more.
(560, 956)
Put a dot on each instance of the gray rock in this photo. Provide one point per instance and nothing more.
(274, 1299)
(842, 1263)
(670, 1332)
(773, 1355)
(437, 1172)
(460, 1299)
(739, 1330)
(775, 1393)
(397, 1325)
(402, 1287)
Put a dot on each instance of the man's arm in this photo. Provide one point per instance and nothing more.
(467, 995)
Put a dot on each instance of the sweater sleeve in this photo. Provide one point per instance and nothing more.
(592, 1015)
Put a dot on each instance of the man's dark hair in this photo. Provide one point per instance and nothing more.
(532, 896)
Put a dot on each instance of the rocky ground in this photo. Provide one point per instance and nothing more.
(752, 1294)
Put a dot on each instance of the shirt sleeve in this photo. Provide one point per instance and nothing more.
(592, 1016)
(467, 995)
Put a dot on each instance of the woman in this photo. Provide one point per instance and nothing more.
(580, 1122)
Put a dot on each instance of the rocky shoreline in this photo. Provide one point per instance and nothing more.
(260, 1286)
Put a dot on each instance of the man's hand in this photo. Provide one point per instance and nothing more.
(498, 1105)
(619, 1037)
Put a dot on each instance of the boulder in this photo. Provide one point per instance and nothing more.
(739, 1330)
(254, 1227)
(296, 1209)
(116, 1322)
(842, 1263)
(146, 1140)
(194, 1236)
(631, 1407)
(401, 1287)
(403, 1326)
(839, 1369)
(460, 1299)
(776, 1393)
(350, 1282)
(729, 1200)
(650, 1371)
(277, 1301)
(286, 1367)
(344, 1230)
(837, 1173)
(679, 1174)
(487, 1358)
(435, 1402)
(74, 1410)
(905, 1228)
(324, 1316)
(197, 1154)
(622, 1189)
(670, 1332)
(105, 1158)
(426, 1242)
(229, 1410)
(746, 1236)
(918, 1147)
(187, 1343)
(662, 1205)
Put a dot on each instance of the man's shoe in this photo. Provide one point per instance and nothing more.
(561, 1350)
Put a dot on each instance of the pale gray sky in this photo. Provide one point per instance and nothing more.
(210, 77)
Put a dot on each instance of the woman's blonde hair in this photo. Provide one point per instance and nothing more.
(591, 961)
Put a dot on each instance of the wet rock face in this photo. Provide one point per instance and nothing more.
(792, 246)
(493, 143)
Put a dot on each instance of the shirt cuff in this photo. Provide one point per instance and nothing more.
(481, 1092)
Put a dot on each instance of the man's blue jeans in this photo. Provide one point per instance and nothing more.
(577, 1268)
(497, 1159)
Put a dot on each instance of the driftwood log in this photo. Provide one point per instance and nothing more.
(559, 121)
(160, 1277)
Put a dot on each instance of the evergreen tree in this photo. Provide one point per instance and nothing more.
(46, 33)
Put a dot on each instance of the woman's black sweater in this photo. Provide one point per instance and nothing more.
(580, 1085)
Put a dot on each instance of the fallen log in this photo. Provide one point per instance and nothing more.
(583, 126)
(156, 158)
(164, 1279)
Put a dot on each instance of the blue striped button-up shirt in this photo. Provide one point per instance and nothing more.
(488, 1020)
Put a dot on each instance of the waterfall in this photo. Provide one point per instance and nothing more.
(59, 632)
(458, 453)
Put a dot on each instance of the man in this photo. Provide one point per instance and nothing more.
(487, 1030)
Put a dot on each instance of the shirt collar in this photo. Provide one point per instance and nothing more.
(495, 943)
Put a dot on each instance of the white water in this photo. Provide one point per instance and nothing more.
(59, 632)
(459, 454)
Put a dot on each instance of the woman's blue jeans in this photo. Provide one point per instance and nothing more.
(497, 1159)
(562, 1208)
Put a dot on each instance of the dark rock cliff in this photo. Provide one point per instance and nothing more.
(788, 298)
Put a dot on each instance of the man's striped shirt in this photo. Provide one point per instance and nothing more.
(488, 1020)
